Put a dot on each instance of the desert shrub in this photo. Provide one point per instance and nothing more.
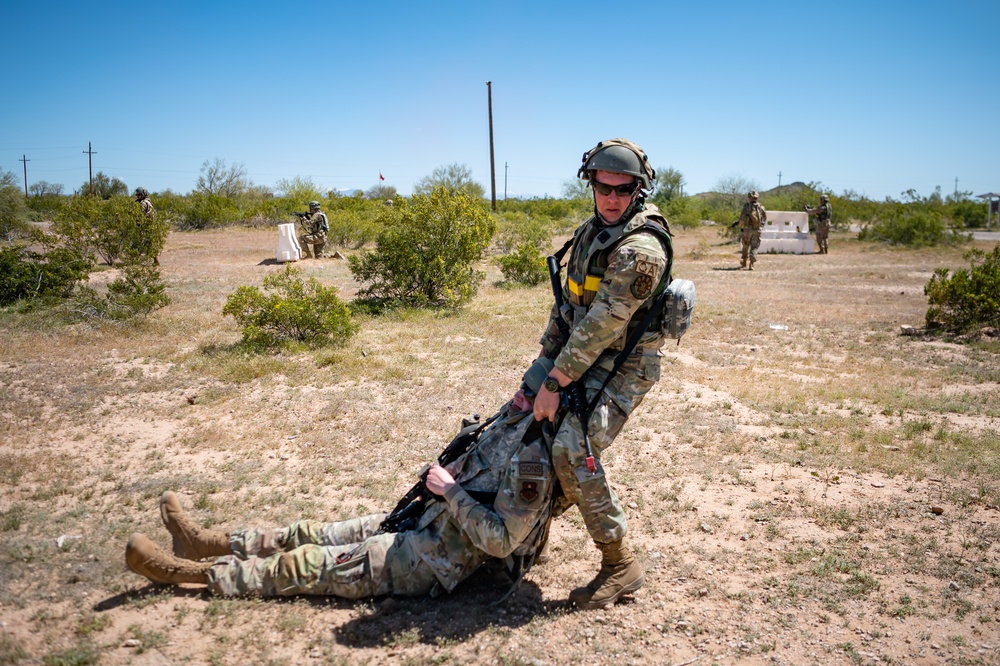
(425, 250)
(292, 309)
(902, 224)
(110, 228)
(137, 291)
(206, 211)
(966, 213)
(26, 274)
(517, 228)
(967, 299)
(352, 227)
(682, 212)
(525, 265)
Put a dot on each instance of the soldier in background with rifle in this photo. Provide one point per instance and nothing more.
(619, 262)
(752, 218)
(489, 495)
(823, 214)
(315, 228)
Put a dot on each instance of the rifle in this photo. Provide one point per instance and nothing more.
(574, 396)
(408, 510)
(734, 224)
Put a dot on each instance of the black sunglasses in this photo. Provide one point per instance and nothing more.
(605, 190)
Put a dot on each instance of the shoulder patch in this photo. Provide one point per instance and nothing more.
(646, 264)
(642, 287)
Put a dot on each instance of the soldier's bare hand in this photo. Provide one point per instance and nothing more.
(546, 405)
(439, 480)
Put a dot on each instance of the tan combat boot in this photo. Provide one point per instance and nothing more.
(190, 541)
(318, 251)
(620, 574)
(147, 559)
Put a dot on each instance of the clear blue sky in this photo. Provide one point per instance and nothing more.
(875, 96)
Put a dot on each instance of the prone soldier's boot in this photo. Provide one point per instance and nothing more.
(620, 574)
(190, 541)
(147, 559)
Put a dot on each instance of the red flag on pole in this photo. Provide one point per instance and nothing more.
(380, 176)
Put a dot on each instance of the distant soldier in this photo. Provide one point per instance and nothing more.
(752, 218)
(142, 196)
(316, 229)
(823, 214)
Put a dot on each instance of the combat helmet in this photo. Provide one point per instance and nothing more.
(618, 156)
(823, 197)
(753, 195)
(313, 204)
(141, 192)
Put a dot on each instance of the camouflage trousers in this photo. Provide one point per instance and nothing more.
(316, 239)
(590, 491)
(344, 559)
(822, 234)
(750, 239)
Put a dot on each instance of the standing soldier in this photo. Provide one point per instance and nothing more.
(752, 218)
(822, 213)
(142, 196)
(619, 261)
(316, 229)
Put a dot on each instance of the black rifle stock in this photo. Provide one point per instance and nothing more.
(408, 510)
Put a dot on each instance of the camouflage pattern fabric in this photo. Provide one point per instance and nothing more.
(454, 537)
(823, 213)
(317, 228)
(147, 208)
(623, 276)
(752, 218)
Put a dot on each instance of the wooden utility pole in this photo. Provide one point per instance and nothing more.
(90, 160)
(493, 171)
(505, 182)
(24, 158)
(779, 179)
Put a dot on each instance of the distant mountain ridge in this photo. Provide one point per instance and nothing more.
(781, 189)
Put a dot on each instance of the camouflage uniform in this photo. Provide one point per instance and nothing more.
(147, 208)
(317, 228)
(452, 539)
(752, 218)
(609, 281)
(823, 213)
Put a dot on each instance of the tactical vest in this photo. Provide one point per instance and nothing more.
(585, 269)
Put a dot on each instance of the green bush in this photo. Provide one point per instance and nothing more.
(517, 228)
(207, 211)
(904, 224)
(110, 228)
(352, 227)
(136, 292)
(968, 299)
(682, 212)
(293, 309)
(25, 274)
(525, 265)
(425, 250)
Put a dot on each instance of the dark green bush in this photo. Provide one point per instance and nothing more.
(425, 251)
(26, 274)
(525, 265)
(110, 228)
(969, 298)
(293, 309)
(517, 228)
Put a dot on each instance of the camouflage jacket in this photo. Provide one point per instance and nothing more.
(612, 273)
(318, 223)
(457, 535)
(822, 212)
(747, 215)
(147, 207)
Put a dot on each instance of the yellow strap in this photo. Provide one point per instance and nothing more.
(591, 283)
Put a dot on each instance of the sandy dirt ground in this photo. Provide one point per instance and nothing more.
(805, 485)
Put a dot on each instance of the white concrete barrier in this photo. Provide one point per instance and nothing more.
(288, 243)
(786, 231)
